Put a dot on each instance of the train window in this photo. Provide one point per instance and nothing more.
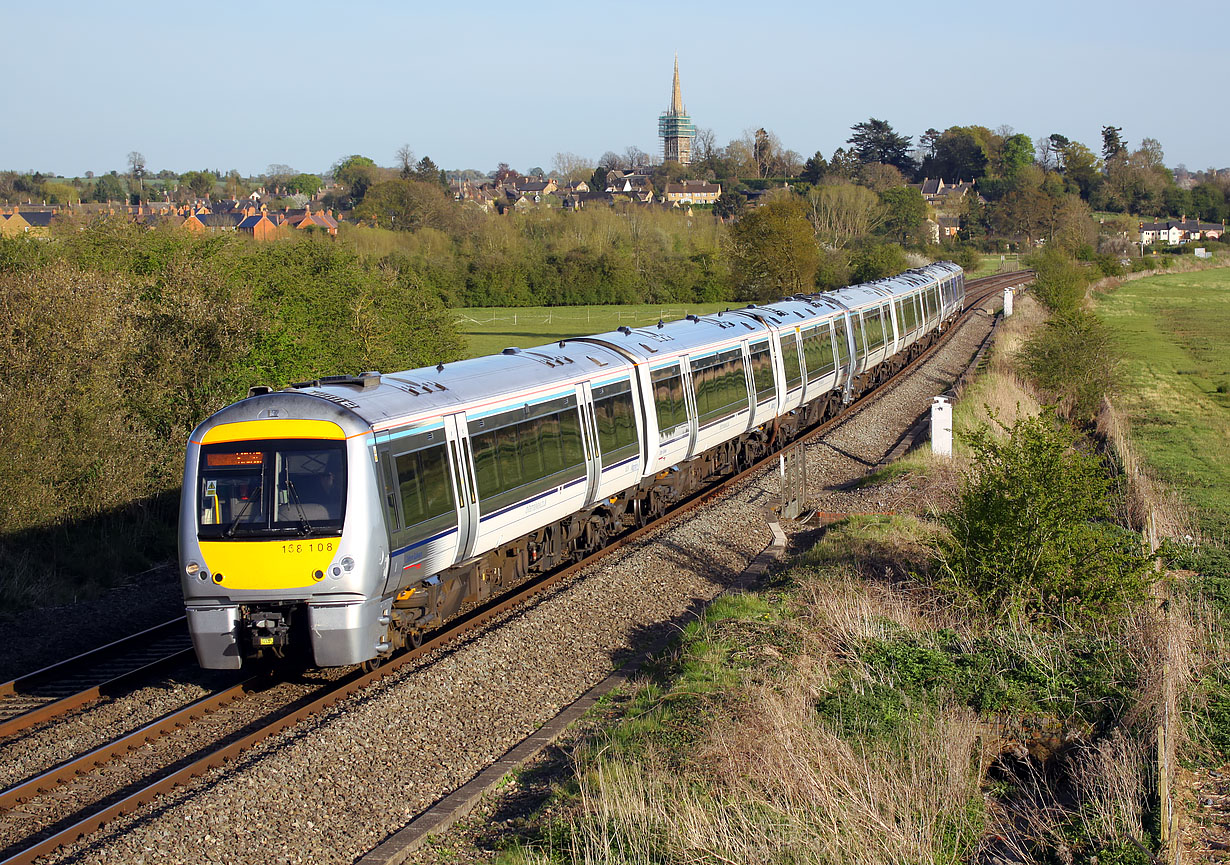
(721, 388)
(873, 328)
(856, 331)
(424, 485)
(616, 420)
(818, 352)
(762, 371)
(268, 488)
(909, 315)
(526, 451)
(887, 314)
(842, 340)
(668, 400)
(790, 361)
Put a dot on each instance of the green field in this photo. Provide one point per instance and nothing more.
(490, 330)
(991, 265)
(1175, 333)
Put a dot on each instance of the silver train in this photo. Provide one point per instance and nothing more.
(340, 518)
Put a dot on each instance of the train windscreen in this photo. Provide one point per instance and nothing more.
(271, 489)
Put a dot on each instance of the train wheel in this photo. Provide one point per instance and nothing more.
(372, 665)
(415, 638)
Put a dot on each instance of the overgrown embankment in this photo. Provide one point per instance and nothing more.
(117, 341)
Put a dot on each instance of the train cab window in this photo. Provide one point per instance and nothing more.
(526, 451)
(616, 420)
(762, 371)
(818, 352)
(424, 486)
(271, 488)
(790, 361)
(721, 387)
(668, 401)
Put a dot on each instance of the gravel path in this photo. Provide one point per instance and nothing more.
(336, 786)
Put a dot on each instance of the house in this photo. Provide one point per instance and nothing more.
(212, 222)
(29, 222)
(307, 218)
(1175, 231)
(693, 192)
(259, 226)
(942, 195)
(532, 186)
(950, 226)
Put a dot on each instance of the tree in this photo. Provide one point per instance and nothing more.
(814, 169)
(136, 171)
(502, 173)
(427, 171)
(843, 213)
(569, 167)
(597, 182)
(879, 177)
(928, 140)
(407, 205)
(773, 252)
(905, 211)
(108, 188)
(200, 183)
(877, 261)
(959, 155)
(730, 205)
(1112, 144)
(1081, 167)
(405, 161)
(844, 164)
(634, 157)
(304, 184)
(1016, 152)
(875, 141)
(610, 161)
(356, 173)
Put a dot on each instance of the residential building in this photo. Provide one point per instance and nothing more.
(1176, 231)
(692, 192)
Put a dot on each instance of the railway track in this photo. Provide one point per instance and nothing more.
(30, 700)
(86, 820)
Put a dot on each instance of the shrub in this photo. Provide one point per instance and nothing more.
(1031, 537)
(1059, 281)
(1074, 359)
(876, 261)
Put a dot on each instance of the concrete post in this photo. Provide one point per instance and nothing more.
(1007, 302)
(941, 427)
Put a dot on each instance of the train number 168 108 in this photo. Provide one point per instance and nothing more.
(309, 547)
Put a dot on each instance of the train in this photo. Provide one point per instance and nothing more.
(339, 519)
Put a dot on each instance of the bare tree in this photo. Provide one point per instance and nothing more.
(705, 146)
(839, 214)
(405, 161)
(635, 157)
(570, 167)
(610, 160)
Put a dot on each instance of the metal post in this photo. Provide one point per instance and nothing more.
(941, 426)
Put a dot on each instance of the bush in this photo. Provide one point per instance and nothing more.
(1075, 360)
(1059, 282)
(968, 257)
(1031, 533)
(876, 261)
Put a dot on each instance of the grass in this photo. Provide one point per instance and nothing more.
(490, 330)
(991, 264)
(1173, 332)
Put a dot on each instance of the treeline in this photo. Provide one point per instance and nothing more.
(545, 257)
(117, 341)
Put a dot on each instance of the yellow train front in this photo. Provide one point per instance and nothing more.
(278, 548)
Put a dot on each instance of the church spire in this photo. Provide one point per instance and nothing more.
(676, 94)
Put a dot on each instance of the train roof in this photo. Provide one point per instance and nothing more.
(670, 339)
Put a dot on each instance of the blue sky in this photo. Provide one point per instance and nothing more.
(242, 85)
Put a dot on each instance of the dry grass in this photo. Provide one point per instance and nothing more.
(774, 784)
(1143, 493)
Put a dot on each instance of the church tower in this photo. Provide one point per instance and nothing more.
(675, 128)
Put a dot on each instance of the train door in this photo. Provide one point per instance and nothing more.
(464, 483)
(689, 400)
(589, 438)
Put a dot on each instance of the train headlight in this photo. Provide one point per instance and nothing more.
(348, 564)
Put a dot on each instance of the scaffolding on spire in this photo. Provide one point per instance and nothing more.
(675, 127)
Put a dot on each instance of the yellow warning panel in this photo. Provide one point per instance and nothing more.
(292, 563)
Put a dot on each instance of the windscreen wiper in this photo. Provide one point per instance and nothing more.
(304, 526)
(230, 530)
